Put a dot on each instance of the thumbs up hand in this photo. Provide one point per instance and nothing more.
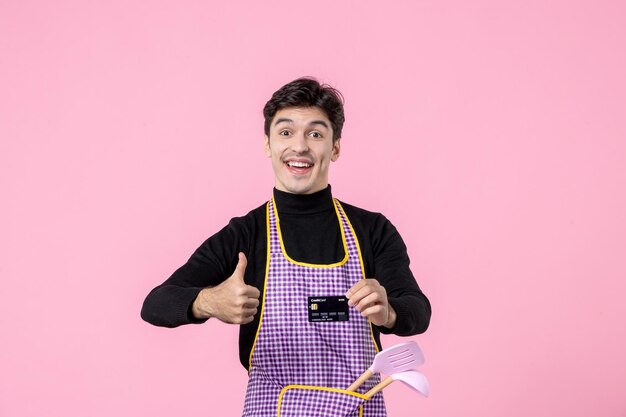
(232, 301)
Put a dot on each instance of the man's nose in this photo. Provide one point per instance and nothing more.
(299, 143)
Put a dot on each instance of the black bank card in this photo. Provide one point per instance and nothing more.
(328, 308)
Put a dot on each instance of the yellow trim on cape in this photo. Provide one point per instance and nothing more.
(267, 270)
(358, 249)
(343, 261)
(318, 388)
(282, 245)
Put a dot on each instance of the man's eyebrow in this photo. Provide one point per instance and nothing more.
(283, 120)
(319, 122)
(312, 123)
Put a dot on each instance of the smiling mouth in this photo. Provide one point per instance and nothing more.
(298, 164)
(299, 168)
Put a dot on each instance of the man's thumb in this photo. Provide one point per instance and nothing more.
(240, 269)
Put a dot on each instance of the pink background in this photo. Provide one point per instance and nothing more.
(491, 133)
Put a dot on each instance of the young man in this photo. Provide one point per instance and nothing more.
(311, 281)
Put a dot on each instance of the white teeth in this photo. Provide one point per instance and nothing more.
(298, 164)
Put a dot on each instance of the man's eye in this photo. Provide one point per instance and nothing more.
(284, 133)
(316, 135)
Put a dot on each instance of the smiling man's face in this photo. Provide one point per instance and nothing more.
(301, 146)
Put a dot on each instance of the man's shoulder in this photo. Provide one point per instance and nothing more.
(361, 215)
(357, 209)
(252, 217)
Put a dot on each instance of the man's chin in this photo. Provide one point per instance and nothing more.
(301, 188)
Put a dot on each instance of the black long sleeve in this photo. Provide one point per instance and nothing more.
(311, 234)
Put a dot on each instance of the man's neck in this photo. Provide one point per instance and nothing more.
(290, 203)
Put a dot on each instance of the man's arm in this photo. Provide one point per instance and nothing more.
(391, 298)
(171, 304)
(391, 264)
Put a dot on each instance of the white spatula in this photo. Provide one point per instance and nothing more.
(414, 379)
(392, 360)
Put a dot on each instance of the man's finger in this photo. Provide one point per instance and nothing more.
(252, 292)
(369, 311)
(250, 312)
(356, 287)
(240, 269)
(252, 303)
(370, 299)
(359, 295)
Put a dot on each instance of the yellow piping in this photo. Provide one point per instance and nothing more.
(343, 261)
(267, 270)
(318, 388)
(282, 245)
(358, 249)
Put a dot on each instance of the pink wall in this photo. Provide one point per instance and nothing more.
(491, 133)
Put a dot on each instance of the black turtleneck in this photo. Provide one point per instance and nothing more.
(311, 234)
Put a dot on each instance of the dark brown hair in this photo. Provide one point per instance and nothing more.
(307, 92)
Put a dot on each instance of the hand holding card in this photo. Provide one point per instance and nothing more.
(370, 299)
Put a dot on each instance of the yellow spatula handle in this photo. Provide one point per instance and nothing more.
(360, 380)
(379, 387)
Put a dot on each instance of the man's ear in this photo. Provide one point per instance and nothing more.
(266, 145)
(336, 149)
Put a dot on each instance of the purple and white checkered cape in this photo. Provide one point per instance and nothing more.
(313, 356)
